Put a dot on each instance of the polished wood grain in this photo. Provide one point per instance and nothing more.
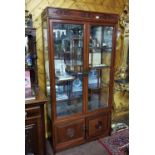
(97, 125)
(68, 131)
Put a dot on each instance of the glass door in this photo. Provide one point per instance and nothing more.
(100, 52)
(68, 60)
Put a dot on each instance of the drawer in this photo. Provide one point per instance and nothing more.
(32, 112)
(98, 125)
(70, 131)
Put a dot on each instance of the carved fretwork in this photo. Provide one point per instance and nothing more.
(76, 14)
(62, 12)
(87, 15)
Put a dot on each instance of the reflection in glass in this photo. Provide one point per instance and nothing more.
(100, 51)
(100, 46)
(68, 59)
(107, 37)
(98, 89)
(93, 79)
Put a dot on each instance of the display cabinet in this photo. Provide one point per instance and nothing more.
(79, 53)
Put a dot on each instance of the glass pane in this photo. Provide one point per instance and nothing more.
(100, 50)
(68, 55)
(98, 88)
(100, 46)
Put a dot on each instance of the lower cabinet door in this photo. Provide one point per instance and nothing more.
(34, 139)
(31, 138)
(69, 134)
(98, 125)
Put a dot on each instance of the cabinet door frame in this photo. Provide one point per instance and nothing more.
(104, 118)
(60, 127)
(86, 26)
(52, 66)
(113, 53)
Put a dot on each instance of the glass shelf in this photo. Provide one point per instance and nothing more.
(100, 49)
(73, 63)
(68, 99)
(77, 38)
(64, 78)
(98, 66)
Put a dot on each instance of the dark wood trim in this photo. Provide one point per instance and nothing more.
(51, 67)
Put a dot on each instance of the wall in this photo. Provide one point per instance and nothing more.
(111, 6)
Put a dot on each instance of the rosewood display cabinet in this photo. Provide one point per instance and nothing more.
(79, 53)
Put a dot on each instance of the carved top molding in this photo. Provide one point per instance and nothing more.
(59, 13)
